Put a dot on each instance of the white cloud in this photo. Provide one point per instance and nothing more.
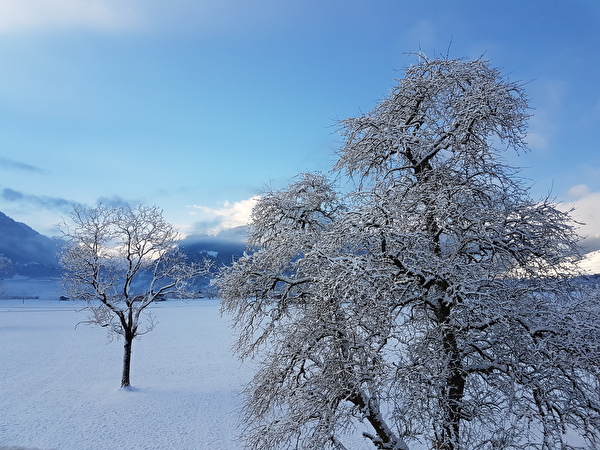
(586, 204)
(25, 15)
(229, 215)
(579, 191)
(537, 140)
(150, 15)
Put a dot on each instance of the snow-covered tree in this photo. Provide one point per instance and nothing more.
(431, 306)
(120, 260)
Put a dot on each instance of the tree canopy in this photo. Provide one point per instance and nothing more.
(430, 304)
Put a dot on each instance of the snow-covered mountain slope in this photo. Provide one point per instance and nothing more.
(591, 263)
(26, 251)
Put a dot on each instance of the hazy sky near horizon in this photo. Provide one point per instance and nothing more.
(197, 106)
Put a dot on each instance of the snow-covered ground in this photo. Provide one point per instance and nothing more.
(591, 263)
(59, 386)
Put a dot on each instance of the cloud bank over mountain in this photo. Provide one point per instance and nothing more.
(212, 221)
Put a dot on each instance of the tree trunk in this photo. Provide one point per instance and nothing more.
(452, 391)
(125, 383)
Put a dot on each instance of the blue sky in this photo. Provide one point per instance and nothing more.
(196, 106)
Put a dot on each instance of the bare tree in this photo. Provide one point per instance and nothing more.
(434, 304)
(121, 260)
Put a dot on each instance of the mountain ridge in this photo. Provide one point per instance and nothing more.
(27, 252)
(31, 254)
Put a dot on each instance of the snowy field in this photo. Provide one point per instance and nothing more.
(59, 386)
